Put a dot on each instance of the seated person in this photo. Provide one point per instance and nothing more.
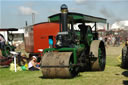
(2, 41)
(32, 64)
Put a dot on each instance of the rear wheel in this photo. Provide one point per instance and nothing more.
(98, 55)
(124, 63)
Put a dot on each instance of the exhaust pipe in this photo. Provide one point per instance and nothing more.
(64, 11)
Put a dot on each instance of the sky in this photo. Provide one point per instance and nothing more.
(14, 13)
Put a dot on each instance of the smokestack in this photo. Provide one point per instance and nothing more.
(33, 18)
(107, 26)
(26, 23)
(64, 11)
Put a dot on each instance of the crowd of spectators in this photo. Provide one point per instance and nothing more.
(113, 40)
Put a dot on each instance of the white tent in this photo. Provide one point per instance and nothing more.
(21, 30)
(120, 25)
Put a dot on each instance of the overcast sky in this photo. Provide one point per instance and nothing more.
(14, 13)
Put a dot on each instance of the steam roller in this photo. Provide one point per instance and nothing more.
(124, 62)
(75, 50)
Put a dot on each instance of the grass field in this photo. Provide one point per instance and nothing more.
(113, 75)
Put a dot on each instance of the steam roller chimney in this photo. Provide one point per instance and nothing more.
(64, 12)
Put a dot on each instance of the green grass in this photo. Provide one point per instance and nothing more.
(113, 75)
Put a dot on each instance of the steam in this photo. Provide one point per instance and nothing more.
(26, 10)
(104, 11)
(80, 1)
(115, 22)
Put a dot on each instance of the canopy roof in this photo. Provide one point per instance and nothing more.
(78, 18)
(8, 29)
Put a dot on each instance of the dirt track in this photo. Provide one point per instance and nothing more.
(113, 51)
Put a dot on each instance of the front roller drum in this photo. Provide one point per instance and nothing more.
(57, 65)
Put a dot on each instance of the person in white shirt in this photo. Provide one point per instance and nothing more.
(32, 64)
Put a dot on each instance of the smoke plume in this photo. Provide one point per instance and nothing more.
(26, 10)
